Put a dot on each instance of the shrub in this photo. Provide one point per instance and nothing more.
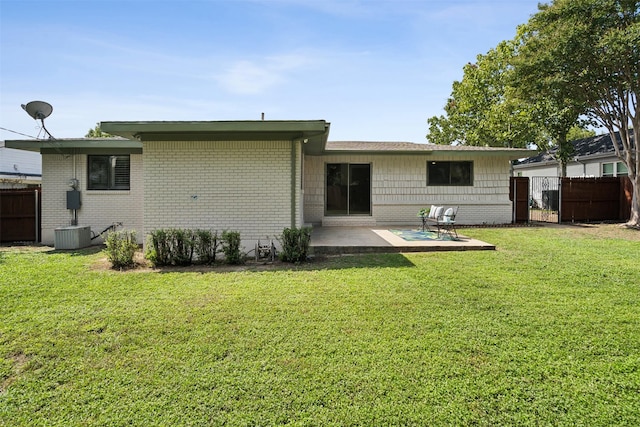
(231, 247)
(121, 247)
(206, 245)
(181, 242)
(158, 247)
(295, 244)
(176, 246)
(171, 246)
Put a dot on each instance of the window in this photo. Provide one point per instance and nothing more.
(449, 173)
(621, 169)
(108, 172)
(614, 169)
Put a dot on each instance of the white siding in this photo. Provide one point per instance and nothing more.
(18, 168)
(99, 208)
(587, 167)
(537, 170)
(18, 161)
(242, 186)
(399, 189)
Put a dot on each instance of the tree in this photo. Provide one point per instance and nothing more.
(96, 132)
(557, 109)
(484, 110)
(577, 132)
(587, 53)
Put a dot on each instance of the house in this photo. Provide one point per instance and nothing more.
(259, 177)
(19, 169)
(593, 157)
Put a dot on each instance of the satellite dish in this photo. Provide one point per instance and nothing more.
(39, 110)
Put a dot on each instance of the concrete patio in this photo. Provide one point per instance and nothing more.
(353, 240)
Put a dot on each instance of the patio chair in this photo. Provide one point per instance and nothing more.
(434, 213)
(429, 216)
(446, 223)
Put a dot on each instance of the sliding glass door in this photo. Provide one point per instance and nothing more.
(348, 189)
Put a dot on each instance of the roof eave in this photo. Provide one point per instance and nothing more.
(376, 152)
(313, 133)
(511, 154)
(70, 146)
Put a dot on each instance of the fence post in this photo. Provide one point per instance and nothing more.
(559, 200)
(514, 201)
(37, 217)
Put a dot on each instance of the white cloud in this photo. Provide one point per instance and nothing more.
(247, 77)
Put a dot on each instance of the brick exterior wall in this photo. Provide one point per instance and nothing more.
(246, 186)
(99, 208)
(399, 189)
(243, 186)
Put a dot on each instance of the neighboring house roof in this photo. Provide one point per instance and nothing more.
(313, 133)
(412, 148)
(18, 165)
(78, 145)
(587, 148)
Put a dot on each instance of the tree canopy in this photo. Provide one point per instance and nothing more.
(484, 109)
(574, 62)
(96, 132)
(586, 53)
(577, 132)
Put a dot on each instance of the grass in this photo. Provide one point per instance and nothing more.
(543, 331)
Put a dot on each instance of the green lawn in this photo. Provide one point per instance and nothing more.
(543, 331)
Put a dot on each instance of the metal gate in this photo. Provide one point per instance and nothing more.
(544, 199)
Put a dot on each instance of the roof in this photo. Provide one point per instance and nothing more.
(77, 145)
(372, 147)
(592, 147)
(313, 133)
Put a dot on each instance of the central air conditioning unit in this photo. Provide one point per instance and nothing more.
(74, 237)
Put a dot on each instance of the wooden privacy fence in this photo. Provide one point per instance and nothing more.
(571, 199)
(20, 215)
(595, 199)
(519, 195)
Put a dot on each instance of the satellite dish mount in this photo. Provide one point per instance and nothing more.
(39, 110)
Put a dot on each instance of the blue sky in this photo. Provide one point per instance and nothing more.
(375, 69)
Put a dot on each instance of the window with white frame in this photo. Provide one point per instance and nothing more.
(108, 172)
(614, 169)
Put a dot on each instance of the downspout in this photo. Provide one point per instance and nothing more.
(75, 177)
(293, 183)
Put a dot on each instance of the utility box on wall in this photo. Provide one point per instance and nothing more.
(74, 237)
(73, 199)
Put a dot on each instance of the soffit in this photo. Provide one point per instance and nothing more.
(82, 145)
(372, 147)
(313, 133)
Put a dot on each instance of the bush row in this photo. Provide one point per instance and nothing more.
(175, 246)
